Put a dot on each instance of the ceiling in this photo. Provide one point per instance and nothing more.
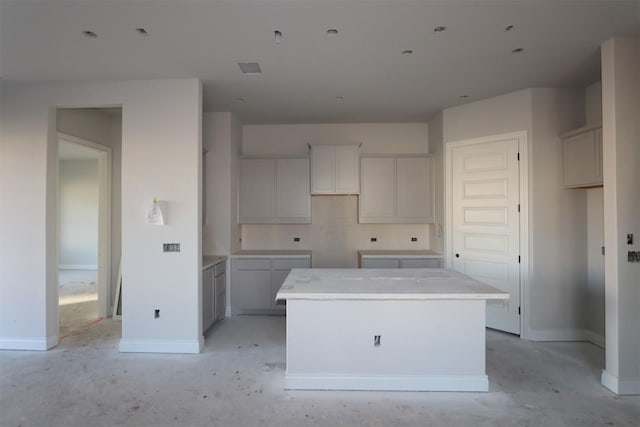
(357, 75)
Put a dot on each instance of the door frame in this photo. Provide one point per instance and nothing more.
(104, 219)
(523, 148)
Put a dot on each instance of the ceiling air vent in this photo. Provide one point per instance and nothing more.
(250, 67)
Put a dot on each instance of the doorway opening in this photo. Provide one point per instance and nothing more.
(86, 247)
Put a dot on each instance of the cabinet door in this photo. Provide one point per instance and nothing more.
(376, 201)
(579, 158)
(207, 299)
(347, 169)
(414, 190)
(380, 262)
(322, 169)
(251, 289)
(421, 263)
(220, 296)
(292, 187)
(257, 190)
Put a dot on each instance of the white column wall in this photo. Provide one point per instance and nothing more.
(621, 173)
(160, 157)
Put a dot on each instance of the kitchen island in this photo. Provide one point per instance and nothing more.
(385, 329)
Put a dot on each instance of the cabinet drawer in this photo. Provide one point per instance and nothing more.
(288, 264)
(421, 263)
(380, 263)
(251, 264)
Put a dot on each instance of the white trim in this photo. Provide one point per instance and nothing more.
(78, 267)
(558, 335)
(387, 382)
(523, 148)
(618, 386)
(155, 346)
(104, 219)
(28, 344)
(595, 339)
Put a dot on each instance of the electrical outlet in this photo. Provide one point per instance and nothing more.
(156, 313)
(633, 256)
(171, 247)
(376, 340)
(630, 239)
(374, 239)
(296, 239)
(414, 239)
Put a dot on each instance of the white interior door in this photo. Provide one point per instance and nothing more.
(485, 185)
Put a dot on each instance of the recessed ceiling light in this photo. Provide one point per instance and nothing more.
(439, 29)
(517, 50)
(407, 52)
(240, 99)
(340, 98)
(464, 96)
(142, 31)
(332, 31)
(508, 28)
(90, 34)
(250, 67)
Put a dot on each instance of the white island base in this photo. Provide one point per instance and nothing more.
(377, 330)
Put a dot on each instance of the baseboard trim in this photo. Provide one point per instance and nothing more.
(26, 344)
(618, 386)
(557, 335)
(478, 383)
(595, 339)
(78, 267)
(153, 346)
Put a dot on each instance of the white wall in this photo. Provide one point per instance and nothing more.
(593, 104)
(335, 234)
(595, 265)
(621, 173)
(556, 288)
(78, 203)
(161, 151)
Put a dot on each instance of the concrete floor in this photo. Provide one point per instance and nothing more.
(78, 300)
(238, 380)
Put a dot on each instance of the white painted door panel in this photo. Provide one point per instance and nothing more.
(322, 169)
(258, 189)
(486, 223)
(292, 188)
(378, 187)
(347, 169)
(414, 189)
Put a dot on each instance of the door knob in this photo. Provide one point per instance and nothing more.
(457, 255)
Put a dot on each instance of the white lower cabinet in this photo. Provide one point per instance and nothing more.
(399, 262)
(256, 281)
(214, 295)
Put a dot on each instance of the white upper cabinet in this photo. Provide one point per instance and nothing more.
(274, 191)
(582, 157)
(396, 190)
(335, 169)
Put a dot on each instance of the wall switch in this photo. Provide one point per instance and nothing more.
(630, 239)
(376, 340)
(171, 247)
(156, 314)
(633, 256)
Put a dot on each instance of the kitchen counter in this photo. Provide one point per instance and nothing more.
(211, 260)
(274, 253)
(400, 253)
(384, 284)
(386, 329)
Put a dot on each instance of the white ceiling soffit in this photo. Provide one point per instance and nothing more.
(309, 76)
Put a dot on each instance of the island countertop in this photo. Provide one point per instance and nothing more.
(384, 284)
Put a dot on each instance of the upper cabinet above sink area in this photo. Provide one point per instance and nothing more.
(335, 169)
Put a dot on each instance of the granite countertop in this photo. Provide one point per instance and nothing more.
(384, 284)
(272, 253)
(400, 253)
(211, 260)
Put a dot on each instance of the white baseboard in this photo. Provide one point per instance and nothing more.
(154, 346)
(618, 386)
(387, 382)
(77, 267)
(595, 339)
(566, 335)
(28, 344)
